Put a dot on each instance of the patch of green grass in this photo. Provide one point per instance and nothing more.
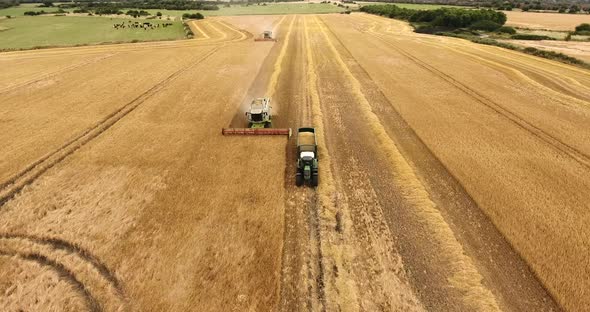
(558, 35)
(580, 38)
(49, 31)
(253, 9)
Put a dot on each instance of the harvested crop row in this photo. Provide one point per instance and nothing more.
(504, 169)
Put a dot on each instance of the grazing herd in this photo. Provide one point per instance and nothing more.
(144, 25)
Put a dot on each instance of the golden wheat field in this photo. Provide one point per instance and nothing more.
(553, 21)
(453, 176)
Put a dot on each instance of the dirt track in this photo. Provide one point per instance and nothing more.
(453, 175)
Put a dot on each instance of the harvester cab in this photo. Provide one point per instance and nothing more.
(307, 157)
(266, 36)
(259, 115)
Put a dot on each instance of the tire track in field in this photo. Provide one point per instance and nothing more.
(57, 72)
(341, 289)
(322, 193)
(63, 272)
(520, 122)
(77, 265)
(464, 274)
(196, 26)
(243, 34)
(17, 182)
(82, 253)
(127, 46)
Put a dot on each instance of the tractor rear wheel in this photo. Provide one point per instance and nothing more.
(298, 179)
(315, 180)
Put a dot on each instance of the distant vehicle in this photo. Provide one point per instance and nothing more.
(266, 36)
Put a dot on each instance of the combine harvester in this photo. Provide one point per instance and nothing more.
(259, 121)
(266, 36)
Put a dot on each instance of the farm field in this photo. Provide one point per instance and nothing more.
(453, 176)
(49, 31)
(552, 21)
(579, 50)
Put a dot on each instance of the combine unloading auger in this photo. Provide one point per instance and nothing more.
(256, 131)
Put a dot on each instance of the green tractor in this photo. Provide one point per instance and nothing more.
(307, 157)
(259, 115)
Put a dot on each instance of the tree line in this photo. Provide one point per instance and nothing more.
(561, 6)
(8, 3)
(447, 18)
(144, 5)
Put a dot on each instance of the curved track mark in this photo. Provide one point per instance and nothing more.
(63, 273)
(82, 253)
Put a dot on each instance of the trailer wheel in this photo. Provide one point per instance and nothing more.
(298, 179)
(315, 180)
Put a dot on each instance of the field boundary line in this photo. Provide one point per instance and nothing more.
(341, 289)
(465, 275)
(543, 136)
(57, 72)
(17, 182)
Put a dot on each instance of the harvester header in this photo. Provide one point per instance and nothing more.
(256, 131)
